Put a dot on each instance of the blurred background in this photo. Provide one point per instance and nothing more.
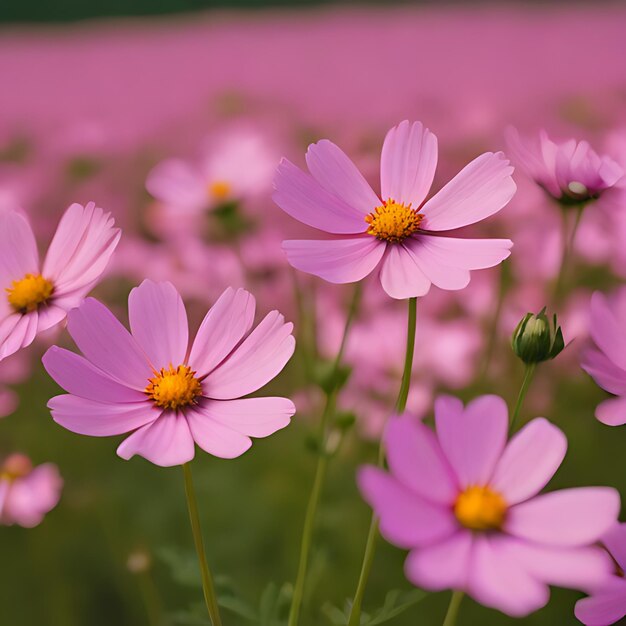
(95, 95)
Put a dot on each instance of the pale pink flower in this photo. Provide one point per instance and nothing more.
(465, 503)
(151, 383)
(606, 363)
(35, 297)
(27, 493)
(401, 231)
(569, 171)
(607, 603)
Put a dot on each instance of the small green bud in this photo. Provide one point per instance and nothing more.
(535, 339)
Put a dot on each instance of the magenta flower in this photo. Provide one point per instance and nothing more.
(27, 493)
(400, 230)
(38, 297)
(607, 604)
(606, 364)
(569, 171)
(465, 503)
(149, 382)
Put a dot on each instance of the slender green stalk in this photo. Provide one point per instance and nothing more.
(321, 468)
(372, 535)
(528, 376)
(453, 609)
(569, 238)
(494, 323)
(207, 580)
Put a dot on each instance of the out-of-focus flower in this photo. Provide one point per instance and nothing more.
(607, 363)
(12, 371)
(607, 604)
(465, 503)
(570, 171)
(169, 396)
(536, 340)
(401, 230)
(235, 165)
(34, 298)
(27, 493)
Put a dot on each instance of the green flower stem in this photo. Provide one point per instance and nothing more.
(494, 323)
(207, 580)
(321, 469)
(528, 376)
(569, 238)
(453, 609)
(372, 535)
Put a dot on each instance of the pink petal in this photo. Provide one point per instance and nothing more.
(607, 606)
(99, 419)
(16, 332)
(108, 345)
(223, 327)
(472, 439)
(79, 377)
(165, 442)
(479, 190)
(214, 437)
(178, 184)
(443, 565)
(612, 412)
(499, 581)
(606, 331)
(332, 169)
(529, 461)
(158, 321)
(606, 374)
(80, 251)
(336, 260)
(416, 460)
(19, 248)
(615, 542)
(406, 519)
(408, 163)
(570, 517)
(256, 361)
(400, 276)
(298, 194)
(253, 417)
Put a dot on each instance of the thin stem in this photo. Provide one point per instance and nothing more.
(207, 580)
(495, 323)
(453, 608)
(528, 376)
(569, 239)
(321, 468)
(370, 544)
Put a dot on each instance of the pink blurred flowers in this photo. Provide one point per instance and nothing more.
(465, 502)
(606, 363)
(35, 298)
(401, 231)
(607, 603)
(27, 493)
(569, 171)
(169, 395)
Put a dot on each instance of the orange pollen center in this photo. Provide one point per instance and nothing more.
(174, 388)
(29, 293)
(393, 221)
(220, 189)
(480, 508)
(15, 466)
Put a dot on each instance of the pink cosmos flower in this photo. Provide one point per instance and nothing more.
(35, 297)
(27, 493)
(169, 395)
(569, 171)
(400, 230)
(606, 364)
(607, 604)
(465, 503)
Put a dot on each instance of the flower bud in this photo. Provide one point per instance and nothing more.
(535, 339)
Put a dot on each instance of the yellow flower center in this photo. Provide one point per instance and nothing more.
(220, 189)
(480, 508)
(174, 388)
(393, 221)
(29, 293)
(15, 466)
